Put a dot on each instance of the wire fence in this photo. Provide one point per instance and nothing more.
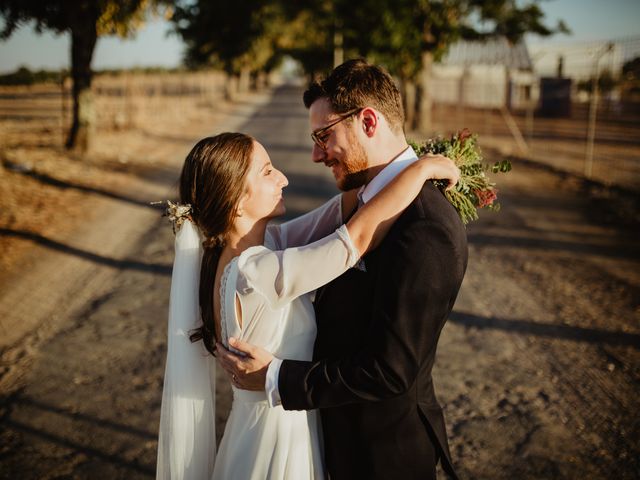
(555, 114)
(132, 100)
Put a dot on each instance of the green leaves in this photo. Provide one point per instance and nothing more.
(234, 35)
(394, 33)
(474, 189)
(501, 167)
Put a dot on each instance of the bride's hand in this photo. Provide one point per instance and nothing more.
(440, 167)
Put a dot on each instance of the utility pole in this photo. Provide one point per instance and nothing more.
(593, 107)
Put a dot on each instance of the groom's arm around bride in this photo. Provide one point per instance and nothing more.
(377, 336)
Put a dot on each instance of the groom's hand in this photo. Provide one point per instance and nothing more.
(248, 372)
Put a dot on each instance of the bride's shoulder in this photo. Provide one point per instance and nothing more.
(255, 264)
(252, 253)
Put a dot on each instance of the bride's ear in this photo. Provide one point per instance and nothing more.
(239, 211)
(240, 207)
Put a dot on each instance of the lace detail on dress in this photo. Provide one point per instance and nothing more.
(224, 333)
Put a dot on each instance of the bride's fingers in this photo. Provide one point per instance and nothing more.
(454, 178)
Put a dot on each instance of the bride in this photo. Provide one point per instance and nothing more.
(237, 276)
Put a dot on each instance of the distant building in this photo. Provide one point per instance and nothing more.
(486, 74)
(582, 61)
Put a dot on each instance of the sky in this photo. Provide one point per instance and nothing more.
(588, 19)
(153, 45)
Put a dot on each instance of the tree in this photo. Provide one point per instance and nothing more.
(606, 82)
(85, 20)
(24, 76)
(316, 30)
(310, 38)
(407, 36)
(415, 33)
(631, 76)
(236, 36)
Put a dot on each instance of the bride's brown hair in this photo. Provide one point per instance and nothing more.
(212, 182)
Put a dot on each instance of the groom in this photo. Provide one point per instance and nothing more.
(378, 323)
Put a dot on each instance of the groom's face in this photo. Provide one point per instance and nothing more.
(341, 151)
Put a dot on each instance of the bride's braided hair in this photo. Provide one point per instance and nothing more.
(212, 182)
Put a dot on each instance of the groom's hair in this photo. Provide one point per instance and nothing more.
(356, 84)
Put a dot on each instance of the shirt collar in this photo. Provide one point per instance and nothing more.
(388, 173)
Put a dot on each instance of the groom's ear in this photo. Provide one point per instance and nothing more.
(370, 121)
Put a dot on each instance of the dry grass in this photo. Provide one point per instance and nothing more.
(44, 187)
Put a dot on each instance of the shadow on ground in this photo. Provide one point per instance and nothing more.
(124, 264)
(565, 332)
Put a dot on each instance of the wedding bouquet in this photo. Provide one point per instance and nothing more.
(474, 190)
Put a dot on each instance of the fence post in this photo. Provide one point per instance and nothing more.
(529, 122)
(593, 107)
(63, 113)
(461, 97)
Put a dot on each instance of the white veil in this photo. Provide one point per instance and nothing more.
(187, 438)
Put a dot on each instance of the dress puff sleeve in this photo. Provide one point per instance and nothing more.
(307, 228)
(283, 275)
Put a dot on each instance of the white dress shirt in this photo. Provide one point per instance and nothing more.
(366, 193)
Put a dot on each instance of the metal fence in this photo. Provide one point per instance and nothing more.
(131, 100)
(552, 114)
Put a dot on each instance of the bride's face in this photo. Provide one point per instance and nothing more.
(263, 198)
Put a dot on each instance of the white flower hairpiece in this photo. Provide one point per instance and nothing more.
(177, 213)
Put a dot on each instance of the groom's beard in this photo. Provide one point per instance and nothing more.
(355, 164)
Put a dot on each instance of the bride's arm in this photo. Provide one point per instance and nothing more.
(371, 223)
(283, 275)
(323, 220)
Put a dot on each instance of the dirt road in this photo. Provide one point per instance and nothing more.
(538, 368)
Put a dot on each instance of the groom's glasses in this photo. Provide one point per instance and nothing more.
(321, 135)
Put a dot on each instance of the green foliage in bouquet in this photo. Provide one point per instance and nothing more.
(474, 190)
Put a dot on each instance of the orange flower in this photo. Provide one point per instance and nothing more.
(486, 197)
(463, 135)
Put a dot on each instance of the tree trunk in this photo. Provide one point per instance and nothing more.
(244, 80)
(83, 42)
(254, 81)
(338, 49)
(230, 87)
(424, 100)
(408, 88)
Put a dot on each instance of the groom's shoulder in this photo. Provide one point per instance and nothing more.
(431, 206)
(431, 215)
(430, 218)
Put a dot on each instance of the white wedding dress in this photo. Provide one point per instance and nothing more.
(274, 284)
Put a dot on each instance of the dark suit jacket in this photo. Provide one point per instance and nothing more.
(376, 345)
